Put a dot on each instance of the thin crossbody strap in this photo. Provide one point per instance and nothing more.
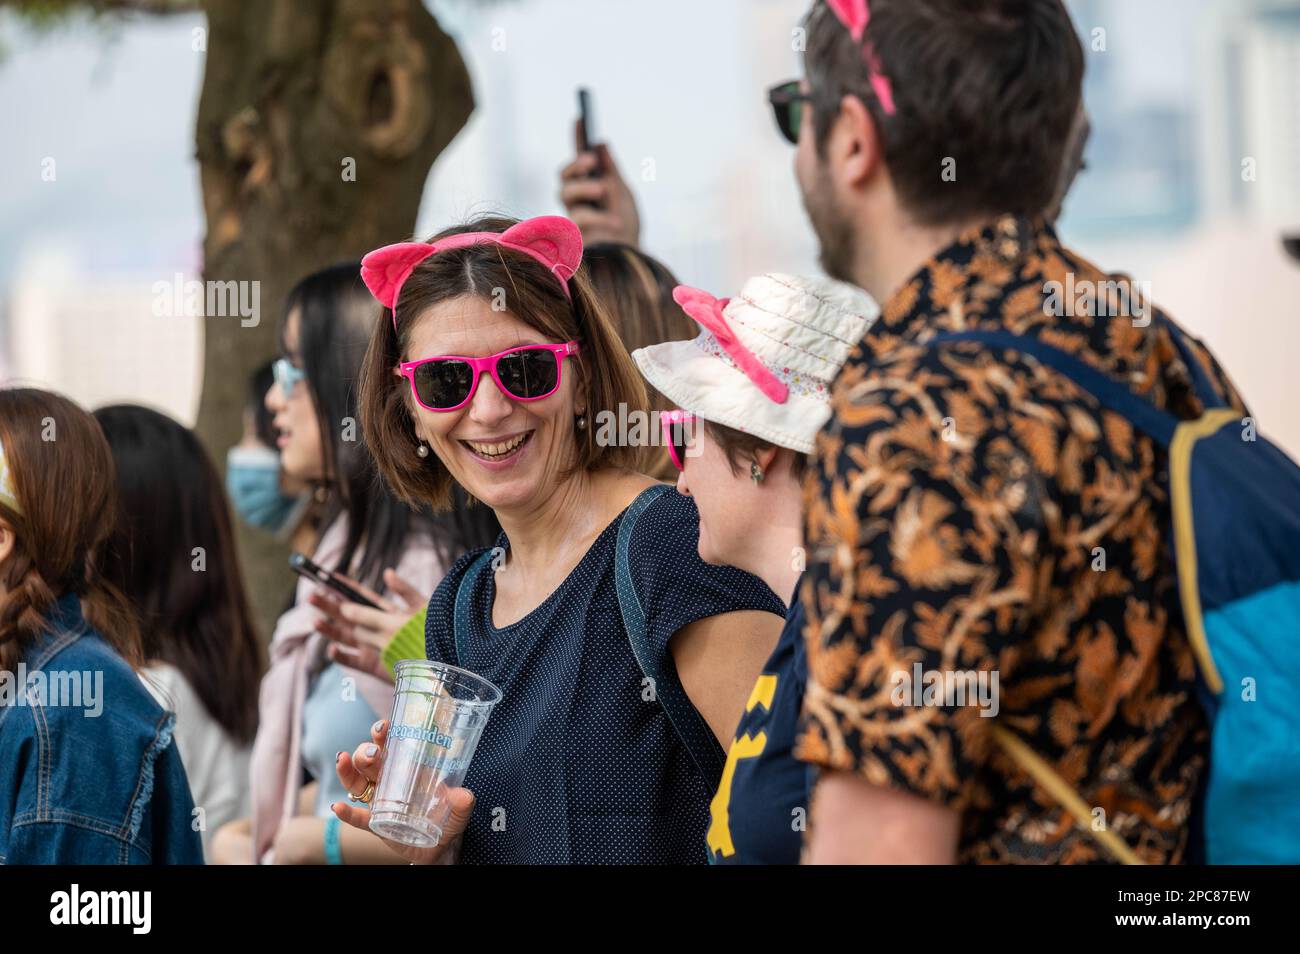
(460, 617)
(694, 732)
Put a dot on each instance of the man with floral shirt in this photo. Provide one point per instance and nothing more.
(989, 580)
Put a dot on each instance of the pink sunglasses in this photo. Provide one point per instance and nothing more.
(527, 373)
(676, 425)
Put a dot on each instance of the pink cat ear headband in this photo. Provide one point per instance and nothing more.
(855, 15)
(552, 240)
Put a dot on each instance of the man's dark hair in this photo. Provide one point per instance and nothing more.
(991, 84)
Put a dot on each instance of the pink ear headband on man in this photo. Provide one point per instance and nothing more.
(855, 15)
(552, 240)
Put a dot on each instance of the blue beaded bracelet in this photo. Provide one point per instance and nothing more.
(333, 851)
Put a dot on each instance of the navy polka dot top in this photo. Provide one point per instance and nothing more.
(580, 762)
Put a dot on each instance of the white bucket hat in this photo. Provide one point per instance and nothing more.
(764, 361)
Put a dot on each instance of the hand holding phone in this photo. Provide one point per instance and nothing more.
(318, 574)
(593, 191)
(358, 633)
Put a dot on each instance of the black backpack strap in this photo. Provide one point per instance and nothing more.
(686, 720)
(1157, 424)
(460, 616)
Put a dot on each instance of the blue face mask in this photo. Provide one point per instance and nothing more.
(253, 482)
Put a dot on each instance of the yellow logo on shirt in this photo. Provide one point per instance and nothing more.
(744, 747)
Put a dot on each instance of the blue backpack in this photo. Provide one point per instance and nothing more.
(1236, 544)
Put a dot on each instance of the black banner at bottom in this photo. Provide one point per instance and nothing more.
(218, 904)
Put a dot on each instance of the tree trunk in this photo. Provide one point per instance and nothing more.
(318, 123)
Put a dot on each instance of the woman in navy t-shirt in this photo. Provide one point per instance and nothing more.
(580, 761)
(623, 659)
(758, 378)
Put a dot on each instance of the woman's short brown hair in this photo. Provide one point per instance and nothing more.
(533, 295)
(739, 446)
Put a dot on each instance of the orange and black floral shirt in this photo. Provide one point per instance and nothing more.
(974, 515)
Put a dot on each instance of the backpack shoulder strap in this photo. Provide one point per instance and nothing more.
(1205, 390)
(1157, 424)
(1036, 767)
(460, 615)
(686, 720)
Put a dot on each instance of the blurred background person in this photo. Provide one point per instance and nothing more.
(637, 292)
(327, 677)
(74, 788)
(261, 493)
(313, 706)
(597, 197)
(173, 555)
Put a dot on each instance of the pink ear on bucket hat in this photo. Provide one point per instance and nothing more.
(707, 310)
(764, 360)
(552, 240)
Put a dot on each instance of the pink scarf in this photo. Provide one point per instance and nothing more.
(297, 651)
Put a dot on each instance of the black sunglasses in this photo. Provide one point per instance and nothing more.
(787, 107)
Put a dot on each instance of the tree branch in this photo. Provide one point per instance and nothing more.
(44, 11)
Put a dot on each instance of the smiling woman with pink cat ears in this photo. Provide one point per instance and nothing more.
(624, 660)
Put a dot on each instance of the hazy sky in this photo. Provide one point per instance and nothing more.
(676, 82)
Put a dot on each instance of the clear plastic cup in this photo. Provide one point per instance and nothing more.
(439, 712)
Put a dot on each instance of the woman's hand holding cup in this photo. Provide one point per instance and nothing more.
(360, 771)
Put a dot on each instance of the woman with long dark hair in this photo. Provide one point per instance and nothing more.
(317, 694)
(89, 773)
(173, 555)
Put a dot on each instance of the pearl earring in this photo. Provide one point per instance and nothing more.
(582, 422)
(423, 449)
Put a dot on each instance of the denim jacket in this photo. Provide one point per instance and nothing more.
(88, 770)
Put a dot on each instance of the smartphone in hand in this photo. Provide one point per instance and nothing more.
(330, 580)
(586, 141)
(584, 120)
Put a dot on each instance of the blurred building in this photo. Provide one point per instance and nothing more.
(100, 200)
(93, 335)
(1193, 177)
(1250, 117)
